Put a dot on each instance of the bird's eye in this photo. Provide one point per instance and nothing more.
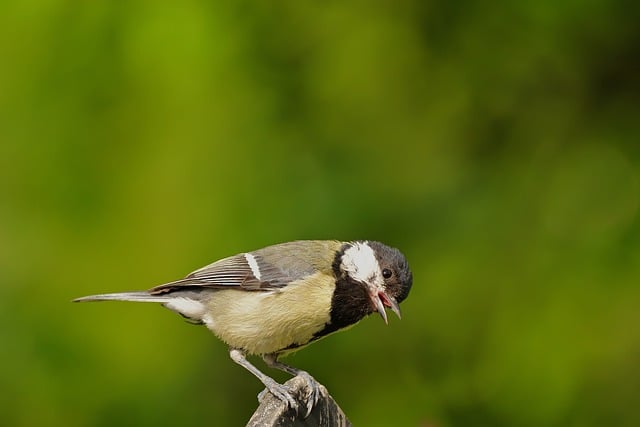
(386, 273)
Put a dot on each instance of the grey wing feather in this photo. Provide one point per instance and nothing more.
(232, 271)
(223, 274)
(278, 265)
(288, 262)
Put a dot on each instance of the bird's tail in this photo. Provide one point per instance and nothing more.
(141, 296)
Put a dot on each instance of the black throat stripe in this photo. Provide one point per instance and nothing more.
(350, 303)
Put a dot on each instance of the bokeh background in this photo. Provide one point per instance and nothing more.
(496, 144)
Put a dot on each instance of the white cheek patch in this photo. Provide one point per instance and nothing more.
(359, 262)
(253, 264)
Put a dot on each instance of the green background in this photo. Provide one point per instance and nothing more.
(497, 145)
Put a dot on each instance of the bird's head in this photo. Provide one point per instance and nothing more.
(381, 270)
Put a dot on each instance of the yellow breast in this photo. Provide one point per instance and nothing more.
(266, 322)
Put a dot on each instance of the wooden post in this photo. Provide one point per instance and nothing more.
(273, 413)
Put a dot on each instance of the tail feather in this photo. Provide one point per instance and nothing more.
(141, 296)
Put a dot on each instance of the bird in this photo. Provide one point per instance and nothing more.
(283, 297)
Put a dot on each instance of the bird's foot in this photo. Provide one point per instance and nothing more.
(281, 392)
(313, 391)
(286, 394)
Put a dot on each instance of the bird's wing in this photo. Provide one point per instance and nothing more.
(239, 270)
(269, 268)
(232, 272)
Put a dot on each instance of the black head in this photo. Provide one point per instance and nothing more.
(394, 269)
(378, 271)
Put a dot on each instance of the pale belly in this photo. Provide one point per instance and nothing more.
(267, 322)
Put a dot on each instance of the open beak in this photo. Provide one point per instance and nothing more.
(381, 300)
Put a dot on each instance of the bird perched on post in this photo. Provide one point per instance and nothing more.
(278, 299)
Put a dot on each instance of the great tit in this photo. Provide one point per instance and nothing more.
(278, 299)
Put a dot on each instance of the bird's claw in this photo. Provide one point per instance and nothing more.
(313, 391)
(281, 392)
(285, 394)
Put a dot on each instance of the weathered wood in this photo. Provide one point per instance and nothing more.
(272, 412)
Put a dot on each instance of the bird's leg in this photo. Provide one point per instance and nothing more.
(278, 390)
(313, 387)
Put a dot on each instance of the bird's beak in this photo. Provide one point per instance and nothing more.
(380, 300)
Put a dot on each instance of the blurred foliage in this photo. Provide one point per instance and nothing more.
(496, 144)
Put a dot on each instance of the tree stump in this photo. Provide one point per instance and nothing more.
(272, 412)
